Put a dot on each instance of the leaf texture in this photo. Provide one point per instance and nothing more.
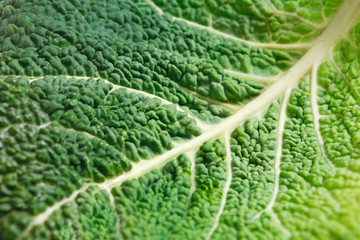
(190, 119)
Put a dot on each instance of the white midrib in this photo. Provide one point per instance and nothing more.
(337, 28)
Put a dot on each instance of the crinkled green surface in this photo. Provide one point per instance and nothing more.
(320, 197)
(257, 20)
(188, 119)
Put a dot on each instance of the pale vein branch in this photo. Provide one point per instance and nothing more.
(31, 79)
(279, 12)
(253, 44)
(89, 135)
(41, 218)
(213, 101)
(229, 36)
(315, 111)
(159, 10)
(337, 68)
(278, 222)
(200, 123)
(255, 78)
(278, 154)
(111, 198)
(44, 125)
(192, 156)
(227, 136)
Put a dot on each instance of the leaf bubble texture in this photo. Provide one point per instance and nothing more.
(179, 119)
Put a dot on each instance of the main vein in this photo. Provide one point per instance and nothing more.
(337, 28)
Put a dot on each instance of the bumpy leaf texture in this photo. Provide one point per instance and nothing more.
(179, 119)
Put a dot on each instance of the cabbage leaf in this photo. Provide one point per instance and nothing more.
(179, 119)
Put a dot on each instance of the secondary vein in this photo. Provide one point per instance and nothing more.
(315, 112)
(278, 154)
(204, 126)
(255, 78)
(192, 156)
(229, 36)
(227, 136)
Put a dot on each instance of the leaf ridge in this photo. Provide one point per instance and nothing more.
(200, 123)
(41, 218)
(337, 68)
(278, 154)
(281, 226)
(279, 12)
(255, 78)
(192, 156)
(315, 112)
(229, 36)
(226, 137)
(210, 100)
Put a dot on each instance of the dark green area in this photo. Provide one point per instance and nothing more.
(57, 133)
(89, 216)
(43, 163)
(138, 126)
(128, 43)
(149, 207)
(158, 205)
(255, 20)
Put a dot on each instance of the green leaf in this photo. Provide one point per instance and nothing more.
(179, 119)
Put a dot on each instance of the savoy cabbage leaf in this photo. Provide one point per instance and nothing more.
(179, 119)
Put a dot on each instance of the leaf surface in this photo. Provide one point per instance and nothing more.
(179, 119)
